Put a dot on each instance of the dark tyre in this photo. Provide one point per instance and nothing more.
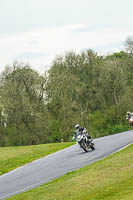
(85, 147)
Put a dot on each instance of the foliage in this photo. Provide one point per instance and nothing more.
(94, 91)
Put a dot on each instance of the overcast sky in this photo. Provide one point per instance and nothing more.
(35, 31)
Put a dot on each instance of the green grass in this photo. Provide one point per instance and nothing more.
(13, 157)
(108, 179)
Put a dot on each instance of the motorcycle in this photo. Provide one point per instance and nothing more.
(84, 142)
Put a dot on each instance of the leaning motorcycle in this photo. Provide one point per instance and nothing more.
(84, 142)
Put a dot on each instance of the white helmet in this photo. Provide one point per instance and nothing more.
(128, 113)
(84, 131)
(77, 126)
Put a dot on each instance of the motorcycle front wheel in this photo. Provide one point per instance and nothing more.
(84, 145)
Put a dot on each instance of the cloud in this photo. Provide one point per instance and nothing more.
(30, 55)
(39, 47)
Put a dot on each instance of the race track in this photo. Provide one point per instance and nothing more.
(59, 163)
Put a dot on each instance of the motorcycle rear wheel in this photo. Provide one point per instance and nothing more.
(92, 146)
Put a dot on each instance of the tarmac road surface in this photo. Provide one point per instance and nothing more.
(59, 163)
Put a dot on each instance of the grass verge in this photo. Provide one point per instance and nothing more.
(108, 179)
(13, 157)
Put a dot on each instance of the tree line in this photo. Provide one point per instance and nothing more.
(94, 91)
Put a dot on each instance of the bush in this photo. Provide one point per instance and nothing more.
(118, 128)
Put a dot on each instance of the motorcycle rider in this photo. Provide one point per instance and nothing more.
(128, 115)
(79, 130)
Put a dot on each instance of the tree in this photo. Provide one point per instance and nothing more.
(129, 45)
(22, 91)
